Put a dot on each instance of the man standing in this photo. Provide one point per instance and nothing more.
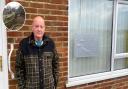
(37, 59)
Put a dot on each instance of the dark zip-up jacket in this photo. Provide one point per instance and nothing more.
(37, 67)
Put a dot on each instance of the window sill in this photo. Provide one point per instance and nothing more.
(95, 77)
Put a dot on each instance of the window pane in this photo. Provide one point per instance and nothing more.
(122, 29)
(90, 24)
(121, 64)
(122, 36)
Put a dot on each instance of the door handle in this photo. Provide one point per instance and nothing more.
(0, 63)
(9, 63)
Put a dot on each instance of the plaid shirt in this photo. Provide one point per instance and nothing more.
(37, 67)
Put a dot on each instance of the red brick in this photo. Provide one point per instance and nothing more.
(36, 5)
(62, 78)
(31, 10)
(56, 34)
(62, 28)
(63, 59)
(62, 39)
(51, 18)
(28, 22)
(43, 11)
(62, 18)
(27, 33)
(23, 3)
(65, 73)
(65, 13)
(65, 34)
(65, 64)
(25, 28)
(63, 69)
(54, 23)
(50, 6)
(12, 82)
(65, 44)
(12, 87)
(57, 1)
(58, 44)
(28, 15)
(62, 49)
(10, 40)
(57, 12)
(62, 7)
(14, 34)
(65, 2)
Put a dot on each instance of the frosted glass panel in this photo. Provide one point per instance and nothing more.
(90, 22)
(122, 29)
(121, 64)
(122, 36)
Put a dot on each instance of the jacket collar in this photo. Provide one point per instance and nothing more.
(32, 40)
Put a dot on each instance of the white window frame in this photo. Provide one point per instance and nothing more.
(105, 75)
(119, 55)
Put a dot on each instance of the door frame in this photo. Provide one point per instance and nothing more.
(4, 51)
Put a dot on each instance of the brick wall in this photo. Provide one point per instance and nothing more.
(55, 13)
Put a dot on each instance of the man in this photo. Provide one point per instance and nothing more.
(37, 59)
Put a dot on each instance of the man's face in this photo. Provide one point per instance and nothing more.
(38, 28)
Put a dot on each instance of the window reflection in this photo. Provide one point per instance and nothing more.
(122, 29)
(14, 16)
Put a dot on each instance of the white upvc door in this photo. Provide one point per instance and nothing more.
(3, 51)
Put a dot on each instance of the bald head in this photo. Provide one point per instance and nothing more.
(38, 19)
(38, 27)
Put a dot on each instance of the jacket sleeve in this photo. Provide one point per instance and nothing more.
(20, 69)
(55, 67)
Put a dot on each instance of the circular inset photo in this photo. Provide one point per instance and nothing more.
(14, 16)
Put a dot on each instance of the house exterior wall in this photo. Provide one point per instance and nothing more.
(55, 13)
